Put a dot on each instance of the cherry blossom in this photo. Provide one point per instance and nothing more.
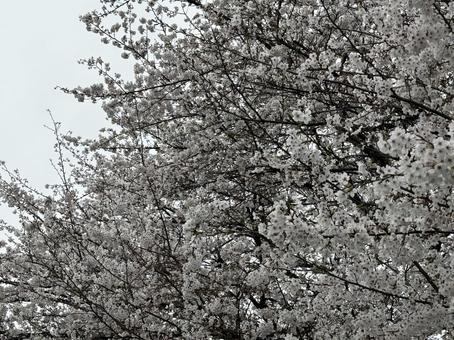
(275, 169)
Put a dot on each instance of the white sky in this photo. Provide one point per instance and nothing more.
(41, 44)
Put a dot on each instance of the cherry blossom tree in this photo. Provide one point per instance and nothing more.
(275, 170)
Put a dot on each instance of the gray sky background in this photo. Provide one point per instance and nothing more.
(41, 44)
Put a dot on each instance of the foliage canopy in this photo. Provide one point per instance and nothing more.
(276, 169)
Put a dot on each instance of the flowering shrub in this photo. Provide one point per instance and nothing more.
(276, 169)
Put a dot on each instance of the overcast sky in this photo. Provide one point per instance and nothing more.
(41, 44)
